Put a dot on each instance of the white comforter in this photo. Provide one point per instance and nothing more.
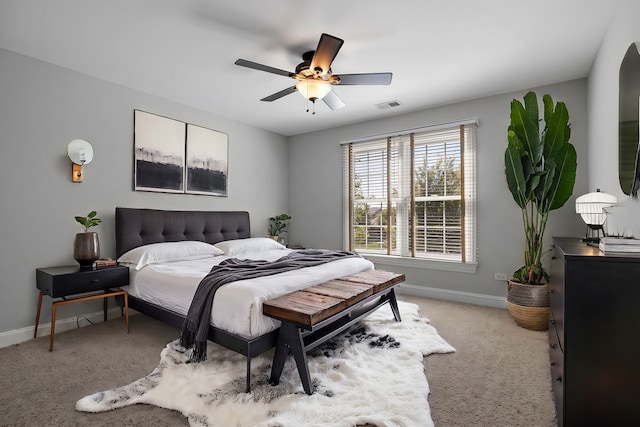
(237, 306)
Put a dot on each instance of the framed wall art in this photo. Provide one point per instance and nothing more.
(171, 156)
(159, 153)
(206, 156)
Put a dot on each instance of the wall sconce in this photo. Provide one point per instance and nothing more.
(80, 152)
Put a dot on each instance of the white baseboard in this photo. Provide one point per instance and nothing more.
(449, 295)
(17, 336)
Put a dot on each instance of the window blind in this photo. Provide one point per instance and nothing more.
(412, 194)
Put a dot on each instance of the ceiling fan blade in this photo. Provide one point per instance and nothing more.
(333, 101)
(327, 49)
(280, 94)
(261, 67)
(365, 79)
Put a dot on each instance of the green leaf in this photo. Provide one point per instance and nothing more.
(515, 175)
(542, 200)
(548, 107)
(557, 131)
(524, 122)
(565, 177)
(531, 105)
(88, 221)
(521, 274)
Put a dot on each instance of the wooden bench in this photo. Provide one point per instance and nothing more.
(314, 315)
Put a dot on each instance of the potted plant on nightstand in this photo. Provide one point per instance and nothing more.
(86, 247)
(278, 226)
(540, 169)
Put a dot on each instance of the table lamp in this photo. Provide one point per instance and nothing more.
(591, 207)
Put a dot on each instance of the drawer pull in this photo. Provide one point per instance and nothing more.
(94, 280)
(553, 322)
(553, 363)
(552, 345)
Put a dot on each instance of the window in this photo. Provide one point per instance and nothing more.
(412, 195)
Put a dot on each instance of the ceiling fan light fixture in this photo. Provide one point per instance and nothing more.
(313, 89)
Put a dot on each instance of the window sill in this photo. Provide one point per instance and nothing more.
(422, 263)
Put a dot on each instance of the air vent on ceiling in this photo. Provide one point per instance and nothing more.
(388, 104)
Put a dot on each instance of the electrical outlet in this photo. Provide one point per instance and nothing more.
(500, 276)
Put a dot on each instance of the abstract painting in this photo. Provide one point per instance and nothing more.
(159, 153)
(206, 161)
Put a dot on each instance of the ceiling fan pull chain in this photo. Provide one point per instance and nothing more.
(313, 104)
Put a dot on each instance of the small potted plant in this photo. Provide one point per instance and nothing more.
(540, 168)
(86, 247)
(278, 225)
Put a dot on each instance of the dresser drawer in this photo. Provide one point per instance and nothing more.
(556, 355)
(556, 362)
(557, 295)
(556, 326)
(62, 281)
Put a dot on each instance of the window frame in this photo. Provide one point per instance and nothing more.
(466, 260)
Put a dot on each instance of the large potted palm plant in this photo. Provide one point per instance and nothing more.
(540, 168)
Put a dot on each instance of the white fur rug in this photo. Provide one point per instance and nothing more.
(371, 374)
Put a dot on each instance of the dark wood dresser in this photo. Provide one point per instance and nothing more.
(594, 335)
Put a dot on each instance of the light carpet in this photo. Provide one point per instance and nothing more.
(371, 374)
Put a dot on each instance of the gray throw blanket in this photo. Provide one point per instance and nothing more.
(196, 325)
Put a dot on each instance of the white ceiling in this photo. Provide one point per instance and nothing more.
(439, 52)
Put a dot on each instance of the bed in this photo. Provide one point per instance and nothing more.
(163, 290)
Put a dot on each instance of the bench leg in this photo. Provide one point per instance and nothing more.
(290, 337)
(393, 302)
(278, 359)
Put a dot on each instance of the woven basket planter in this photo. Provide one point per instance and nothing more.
(528, 305)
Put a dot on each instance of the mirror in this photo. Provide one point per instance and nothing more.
(628, 111)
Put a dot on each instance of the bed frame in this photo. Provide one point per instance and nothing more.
(138, 227)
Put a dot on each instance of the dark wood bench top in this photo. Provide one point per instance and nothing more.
(317, 303)
(380, 279)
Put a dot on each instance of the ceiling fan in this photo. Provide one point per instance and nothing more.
(314, 76)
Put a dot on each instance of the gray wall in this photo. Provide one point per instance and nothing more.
(42, 108)
(603, 116)
(315, 188)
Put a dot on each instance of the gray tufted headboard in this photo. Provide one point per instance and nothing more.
(138, 227)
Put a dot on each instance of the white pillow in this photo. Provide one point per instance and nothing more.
(253, 244)
(168, 252)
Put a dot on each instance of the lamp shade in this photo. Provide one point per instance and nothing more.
(80, 152)
(591, 207)
(313, 89)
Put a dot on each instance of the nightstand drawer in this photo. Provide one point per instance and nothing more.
(62, 281)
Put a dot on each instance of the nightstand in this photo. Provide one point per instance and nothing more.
(63, 282)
